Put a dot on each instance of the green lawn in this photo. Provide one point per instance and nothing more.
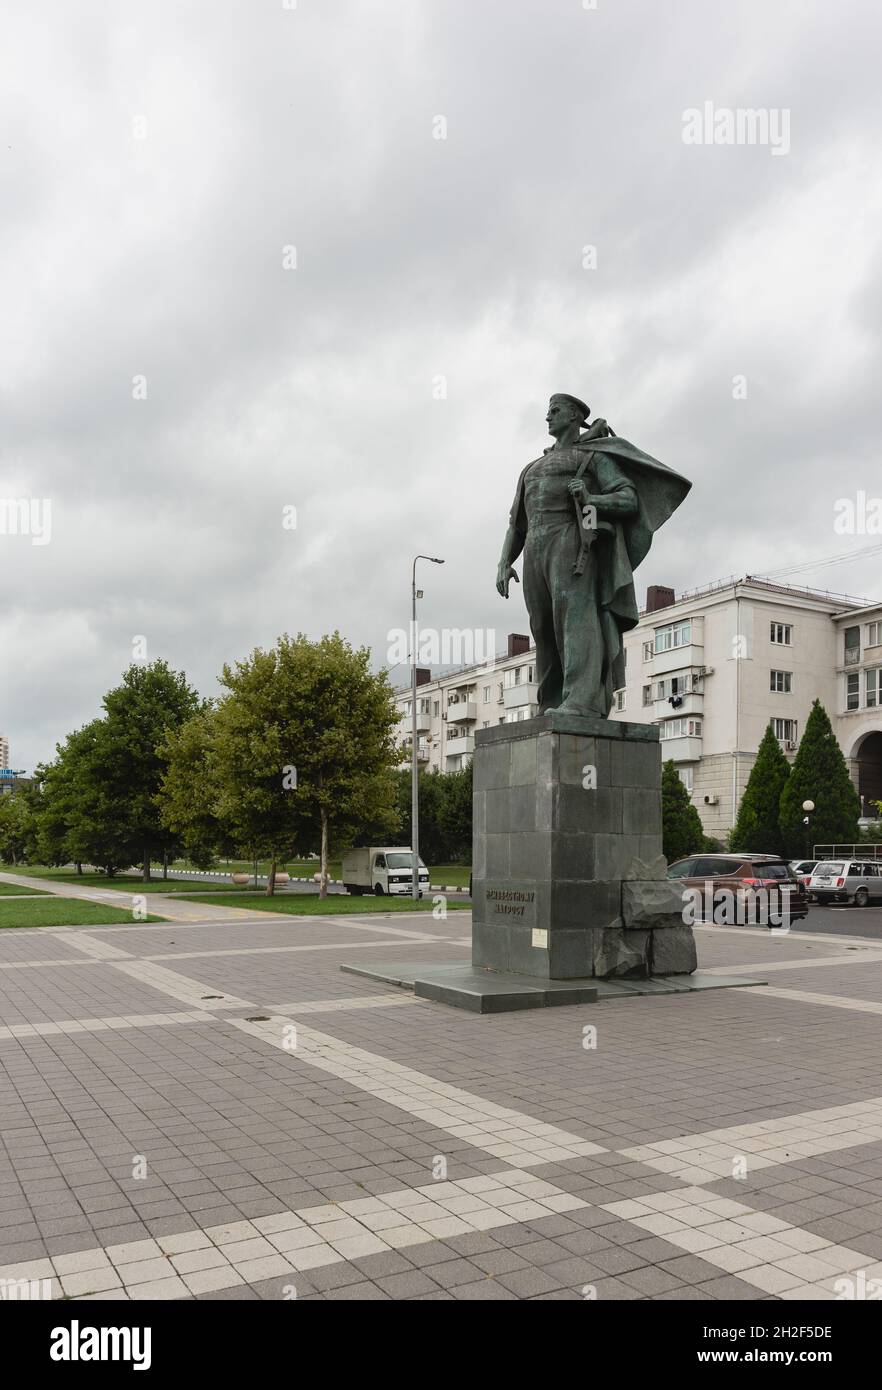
(456, 875)
(7, 888)
(52, 911)
(127, 883)
(336, 905)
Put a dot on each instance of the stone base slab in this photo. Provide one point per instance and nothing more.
(463, 986)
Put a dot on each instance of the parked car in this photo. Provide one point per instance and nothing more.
(846, 881)
(382, 869)
(764, 888)
(803, 869)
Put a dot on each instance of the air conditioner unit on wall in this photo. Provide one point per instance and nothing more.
(790, 745)
(711, 801)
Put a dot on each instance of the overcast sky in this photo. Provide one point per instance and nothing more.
(157, 159)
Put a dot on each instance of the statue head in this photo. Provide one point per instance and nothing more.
(566, 413)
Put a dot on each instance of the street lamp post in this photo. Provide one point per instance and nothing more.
(808, 809)
(414, 780)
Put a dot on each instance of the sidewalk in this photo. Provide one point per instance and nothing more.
(211, 1108)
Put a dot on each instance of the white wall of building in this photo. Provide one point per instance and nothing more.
(728, 662)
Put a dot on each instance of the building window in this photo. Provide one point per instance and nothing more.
(784, 730)
(647, 695)
(676, 635)
(621, 699)
(687, 777)
(407, 708)
(437, 708)
(853, 691)
(501, 696)
(485, 725)
(530, 675)
(852, 646)
(874, 634)
(873, 686)
(647, 651)
(782, 634)
(681, 728)
(781, 682)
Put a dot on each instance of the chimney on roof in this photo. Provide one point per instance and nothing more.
(423, 675)
(517, 644)
(659, 596)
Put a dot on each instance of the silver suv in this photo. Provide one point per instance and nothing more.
(846, 881)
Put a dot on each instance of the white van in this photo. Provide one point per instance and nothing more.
(382, 869)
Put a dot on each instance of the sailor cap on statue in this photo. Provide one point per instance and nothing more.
(573, 401)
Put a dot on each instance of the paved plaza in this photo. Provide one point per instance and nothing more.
(209, 1107)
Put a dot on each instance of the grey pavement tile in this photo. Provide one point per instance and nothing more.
(363, 1292)
(530, 1282)
(487, 1290)
(690, 1269)
(729, 1287)
(651, 1280)
(614, 1290)
(408, 1285)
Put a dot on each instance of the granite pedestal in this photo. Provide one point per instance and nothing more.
(570, 903)
(568, 872)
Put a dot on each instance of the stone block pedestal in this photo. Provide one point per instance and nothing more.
(568, 871)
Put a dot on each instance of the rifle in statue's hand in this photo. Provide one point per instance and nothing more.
(588, 533)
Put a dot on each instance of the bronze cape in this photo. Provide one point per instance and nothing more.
(620, 544)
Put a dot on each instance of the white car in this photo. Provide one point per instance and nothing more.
(803, 868)
(846, 881)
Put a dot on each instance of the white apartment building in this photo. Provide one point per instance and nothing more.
(712, 669)
(4, 751)
(451, 707)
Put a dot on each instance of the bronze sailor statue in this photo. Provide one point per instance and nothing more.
(584, 515)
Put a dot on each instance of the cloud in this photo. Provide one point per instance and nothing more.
(417, 258)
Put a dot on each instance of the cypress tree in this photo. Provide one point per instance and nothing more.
(819, 774)
(682, 831)
(757, 827)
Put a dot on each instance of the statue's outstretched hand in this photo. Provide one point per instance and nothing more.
(504, 575)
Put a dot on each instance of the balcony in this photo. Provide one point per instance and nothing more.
(677, 659)
(423, 723)
(686, 748)
(515, 696)
(692, 704)
(422, 752)
(462, 712)
(462, 744)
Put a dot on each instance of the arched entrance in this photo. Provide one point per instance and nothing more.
(867, 754)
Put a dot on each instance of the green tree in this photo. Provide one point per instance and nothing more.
(456, 816)
(682, 831)
(301, 750)
(16, 826)
(819, 774)
(80, 815)
(756, 826)
(189, 793)
(151, 700)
